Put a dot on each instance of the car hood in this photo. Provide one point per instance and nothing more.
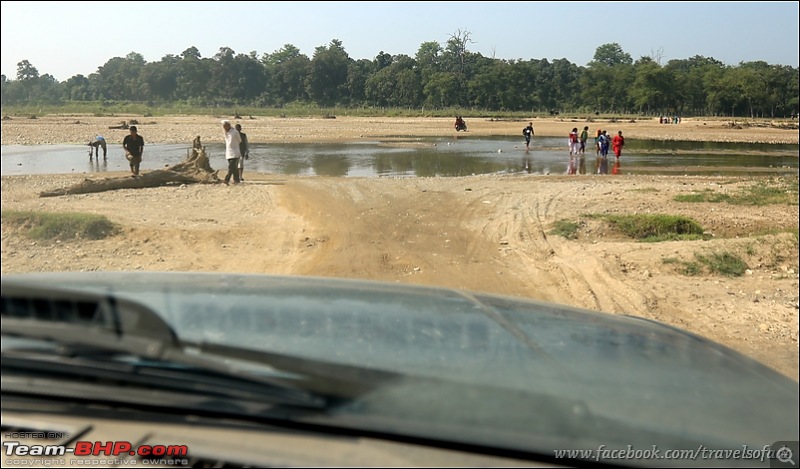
(501, 370)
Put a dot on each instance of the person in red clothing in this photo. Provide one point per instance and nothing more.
(617, 143)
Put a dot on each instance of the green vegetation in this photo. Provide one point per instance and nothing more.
(61, 226)
(440, 79)
(772, 191)
(647, 228)
(565, 228)
(708, 195)
(691, 269)
(656, 228)
(723, 263)
(645, 189)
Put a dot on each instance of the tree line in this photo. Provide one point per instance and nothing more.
(437, 77)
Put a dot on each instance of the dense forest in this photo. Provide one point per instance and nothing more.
(437, 77)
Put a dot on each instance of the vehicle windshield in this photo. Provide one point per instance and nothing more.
(481, 369)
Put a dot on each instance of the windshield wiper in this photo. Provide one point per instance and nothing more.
(112, 341)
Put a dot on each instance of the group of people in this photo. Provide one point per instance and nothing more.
(603, 141)
(577, 149)
(237, 149)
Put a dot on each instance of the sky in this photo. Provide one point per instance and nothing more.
(65, 39)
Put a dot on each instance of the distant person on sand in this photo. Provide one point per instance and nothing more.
(244, 150)
(460, 124)
(528, 133)
(232, 151)
(95, 144)
(134, 148)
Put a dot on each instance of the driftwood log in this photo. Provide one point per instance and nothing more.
(195, 169)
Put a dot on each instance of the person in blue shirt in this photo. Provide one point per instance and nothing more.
(95, 144)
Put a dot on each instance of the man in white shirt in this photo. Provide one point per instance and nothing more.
(232, 153)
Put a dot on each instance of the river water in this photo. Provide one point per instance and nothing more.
(420, 157)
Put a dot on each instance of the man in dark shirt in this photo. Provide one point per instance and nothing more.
(134, 147)
(528, 132)
(244, 150)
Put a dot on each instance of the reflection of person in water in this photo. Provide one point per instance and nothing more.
(95, 144)
(460, 124)
(527, 163)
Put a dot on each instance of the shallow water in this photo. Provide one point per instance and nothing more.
(421, 157)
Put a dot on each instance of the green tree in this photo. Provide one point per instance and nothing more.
(78, 88)
(27, 76)
(458, 61)
(651, 90)
(382, 60)
(251, 78)
(397, 85)
(441, 90)
(565, 85)
(193, 77)
(287, 69)
(326, 82)
(223, 77)
(611, 54)
(358, 72)
(162, 78)
(783, 90)
(119, 78)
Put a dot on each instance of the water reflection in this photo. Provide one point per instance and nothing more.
(419, 157)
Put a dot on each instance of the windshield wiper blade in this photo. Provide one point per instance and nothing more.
(89, 325)
(35, 372)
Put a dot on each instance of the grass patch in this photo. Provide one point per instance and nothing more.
(708, 195)
(646, 190)
(724, 263)
(770, 192)
(691, 269)
(565, 228)
(656, 228)
(61, 226)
